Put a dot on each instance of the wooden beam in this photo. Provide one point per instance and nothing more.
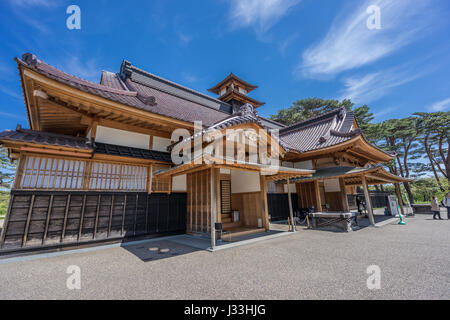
(400, 199)
(265, 213)
(318, 197)
(77, 154)
(214, 206)
(291, 211)
(368, 201)
(345, 205)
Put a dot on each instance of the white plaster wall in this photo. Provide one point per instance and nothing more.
(225, 171)
(332, 185)
(244, 181)
(292, 186)
(179, 183)
(161, 144)
(287, 164)
(122, 137)
(308, 165)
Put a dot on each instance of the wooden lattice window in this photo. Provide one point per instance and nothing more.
(114, 176)
(160, 184)
(51, 173)
(225, 196)
(66, 174)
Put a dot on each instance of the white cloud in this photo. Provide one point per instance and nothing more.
(283, 45)
(379, 115)
(372, 86)
(88, 70)
(12, 115)
(32, 3)
(350, 44)
(189, 77)
(443, 105)
(259, 14)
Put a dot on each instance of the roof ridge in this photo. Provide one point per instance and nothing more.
(323, 115)
(31, 61)
(49, 134)
(180, 86)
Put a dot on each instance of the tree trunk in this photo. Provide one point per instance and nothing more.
(430, 158)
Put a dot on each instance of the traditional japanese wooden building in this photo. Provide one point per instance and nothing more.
(96, 163)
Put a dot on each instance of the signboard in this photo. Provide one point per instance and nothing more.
(393, 205)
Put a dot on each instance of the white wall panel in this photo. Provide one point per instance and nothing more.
(245, 181)
(122, 137)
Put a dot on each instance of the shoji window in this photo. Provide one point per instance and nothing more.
(111, 176)
(65, 174)
(160, 184)
(51, 173)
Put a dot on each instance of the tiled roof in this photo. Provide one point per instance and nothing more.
(176, 107)
(112, 80)
(44, 138)
(320, 132)
(348, 172)
(162, 103)
(59, 140)
(115, 150)
(247, 114)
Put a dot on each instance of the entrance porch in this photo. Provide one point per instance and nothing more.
(227, 201)
(326, 192)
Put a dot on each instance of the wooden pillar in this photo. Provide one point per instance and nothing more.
(265, 214)
(317, 193)
(214, 206)
(345, 205)
(94, 131)
(368, 201)
(399, 197)
(291, 212)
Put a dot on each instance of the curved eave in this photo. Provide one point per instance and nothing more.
(36, 148)
(367, 150)
(75, 93)
(353, 176)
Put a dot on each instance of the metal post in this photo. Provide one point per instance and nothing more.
(291, 212)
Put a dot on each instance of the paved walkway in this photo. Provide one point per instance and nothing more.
(310, 264)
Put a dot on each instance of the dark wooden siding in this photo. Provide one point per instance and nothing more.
(53, 218)
(279, 206)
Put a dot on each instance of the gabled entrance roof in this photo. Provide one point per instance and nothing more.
(352, 176)
(272, 173)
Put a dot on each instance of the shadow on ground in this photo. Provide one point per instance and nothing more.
(157, 250)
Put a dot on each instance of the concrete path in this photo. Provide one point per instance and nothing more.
(310, 264)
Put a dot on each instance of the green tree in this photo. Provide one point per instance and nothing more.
(435, 142)
(7, 169)
(308, 108)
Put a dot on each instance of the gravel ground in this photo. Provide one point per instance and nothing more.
(414, 261)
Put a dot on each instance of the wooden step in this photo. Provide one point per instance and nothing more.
(226, 220)
(231, 225)
(239, 232)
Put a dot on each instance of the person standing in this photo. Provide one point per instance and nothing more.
(435, 208)
(446, 203)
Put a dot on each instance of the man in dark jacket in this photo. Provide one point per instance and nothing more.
(446, 203)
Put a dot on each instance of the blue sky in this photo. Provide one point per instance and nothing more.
(291, 49)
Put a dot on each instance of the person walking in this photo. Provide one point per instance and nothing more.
(435, 208)
(446, 203)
